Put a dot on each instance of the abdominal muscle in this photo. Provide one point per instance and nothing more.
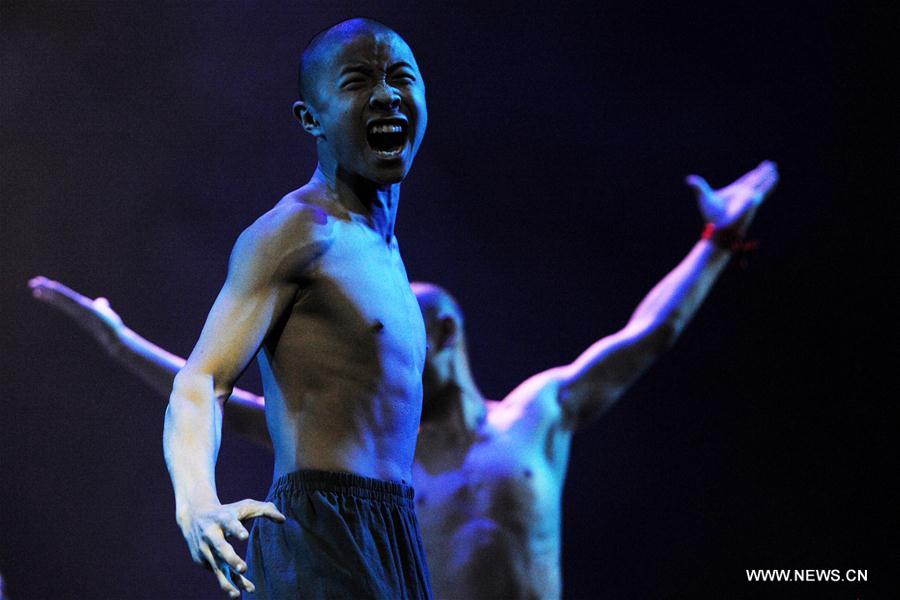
(334, 433)
(342, 375)
(483, 559)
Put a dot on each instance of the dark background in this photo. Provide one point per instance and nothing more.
(138, 140)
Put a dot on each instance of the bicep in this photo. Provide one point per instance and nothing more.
(264, 272)
(250, 302)
(602, 373)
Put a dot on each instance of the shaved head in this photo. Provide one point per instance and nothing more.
(435, 301)
(355, 77)
(324, 42)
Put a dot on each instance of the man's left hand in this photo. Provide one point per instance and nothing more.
(733, 206)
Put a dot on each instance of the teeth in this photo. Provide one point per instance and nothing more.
(386, 129)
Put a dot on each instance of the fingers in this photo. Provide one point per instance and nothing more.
(699, 184)
(57, 294)
(215, 540)
(43, 288)
(761, 181)
(243, 582)
(759, 176)
(224, 561)
(221, 572)
(95, 315)
(42, 285)
(248, 509)
(768, 179)
(707, 200)
(235, 528)
(37, 282)
(206, 537)
(763, 172)
(753, 186)
(748, 178)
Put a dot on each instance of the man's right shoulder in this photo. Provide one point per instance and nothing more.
(292, 231)
(293, 217)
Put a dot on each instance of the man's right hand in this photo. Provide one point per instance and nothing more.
(95, 316)
(206, 530)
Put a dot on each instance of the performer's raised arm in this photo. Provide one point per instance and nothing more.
(596, 379)
(244, 412)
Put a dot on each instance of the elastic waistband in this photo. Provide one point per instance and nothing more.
(310, 480)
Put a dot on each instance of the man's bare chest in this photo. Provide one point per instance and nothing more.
(359, 292)
(499, 479)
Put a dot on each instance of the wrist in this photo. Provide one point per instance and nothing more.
(728, 238)
(185, 507)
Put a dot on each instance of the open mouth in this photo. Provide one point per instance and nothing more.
(387, 138)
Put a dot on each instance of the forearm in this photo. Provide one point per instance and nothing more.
(244, 413)
(191, 438)
(672, 303)
(597, 378)
(604, 371)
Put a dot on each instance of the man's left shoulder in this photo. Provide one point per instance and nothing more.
(536, 398)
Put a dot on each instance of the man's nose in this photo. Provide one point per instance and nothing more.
(384, 97)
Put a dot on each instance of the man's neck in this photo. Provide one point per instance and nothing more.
(374, 204)
(458, 408)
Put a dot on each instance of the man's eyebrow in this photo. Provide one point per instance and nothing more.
(355, 68)
(398, 65)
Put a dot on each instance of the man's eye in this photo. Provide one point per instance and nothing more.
(352, 84)
(404, 79)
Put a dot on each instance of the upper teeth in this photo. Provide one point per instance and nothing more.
(386, 129)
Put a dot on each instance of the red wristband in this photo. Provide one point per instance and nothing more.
(729, 239)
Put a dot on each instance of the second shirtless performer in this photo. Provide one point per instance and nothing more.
(317, 290)
(489, 475)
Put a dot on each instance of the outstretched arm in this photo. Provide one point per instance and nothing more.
(597, 378)
(244, 412)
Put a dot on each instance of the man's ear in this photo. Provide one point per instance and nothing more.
(448, 332)
(303, 113)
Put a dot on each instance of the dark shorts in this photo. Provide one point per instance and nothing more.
(346, 536)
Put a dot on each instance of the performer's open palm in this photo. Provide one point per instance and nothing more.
(733, 206)
(95, 316)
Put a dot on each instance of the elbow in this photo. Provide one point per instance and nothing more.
(654, 336)
(180, 399)
(668, 333)
(659, 338)
(180, 385)
(192, 387)
(192, 397)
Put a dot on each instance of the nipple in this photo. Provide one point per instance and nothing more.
(378, 326)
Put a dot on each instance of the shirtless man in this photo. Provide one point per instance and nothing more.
(489, 475)
(317, 290)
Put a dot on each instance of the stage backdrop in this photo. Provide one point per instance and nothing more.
(139, 139)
